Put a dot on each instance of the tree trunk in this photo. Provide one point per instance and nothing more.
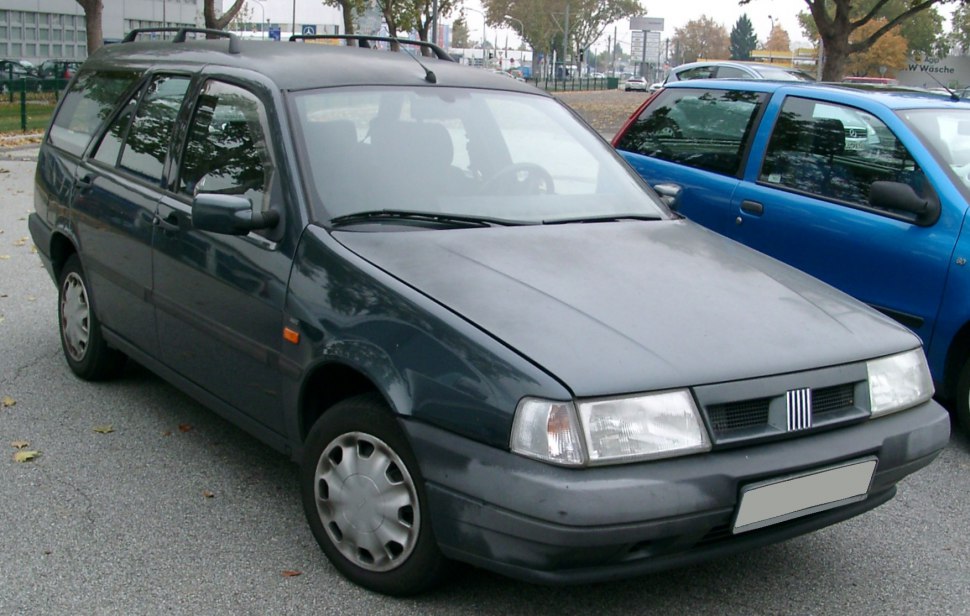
(835, 48)
(348, 11)
(92, 23)
(219, 23)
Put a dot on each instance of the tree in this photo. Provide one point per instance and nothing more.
(350, 9)
(743, 39)
(923, 31)
(835, 23)
(778, 39)
(960, 37)
(702, 38)
(92, 23)
(219, 22)
(541, 22)
(459, 33)
(425, 17)
(885, 56)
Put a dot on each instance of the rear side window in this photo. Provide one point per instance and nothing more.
(705, 129)
(86, 106)
(148, 137)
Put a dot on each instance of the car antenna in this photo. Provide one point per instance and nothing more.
(429, 75)
(953, 95)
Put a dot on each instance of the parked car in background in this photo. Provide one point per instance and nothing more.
(481, 336)
(635, 83)
(867, 190)
(15, 73)
(731, 69)
(57, 69)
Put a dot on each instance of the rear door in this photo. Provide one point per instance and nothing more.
(119, 185)
(698, 139)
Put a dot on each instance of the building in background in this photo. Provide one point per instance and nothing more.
(34, 30)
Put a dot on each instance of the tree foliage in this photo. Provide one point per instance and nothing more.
(778, 39)
(922, 31)
(702, 38)
(350, 9)
(837, 20)
(541, 22)
(960, 36)
(459, 33)
(883, 58)
(743, 39)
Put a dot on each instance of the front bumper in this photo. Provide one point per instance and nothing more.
(547, 524)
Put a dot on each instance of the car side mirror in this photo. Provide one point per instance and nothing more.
(902, 198)
(229, 215)
(669, 194)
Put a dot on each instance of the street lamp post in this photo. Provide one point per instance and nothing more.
(484, 36)
(262, 33)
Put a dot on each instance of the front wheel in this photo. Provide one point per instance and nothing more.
(365, 502)
(85, 349)
(962, 407)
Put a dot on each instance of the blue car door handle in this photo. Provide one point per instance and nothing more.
(752, 207)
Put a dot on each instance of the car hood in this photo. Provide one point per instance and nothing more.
(621, 307)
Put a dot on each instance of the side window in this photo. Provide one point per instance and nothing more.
(146, 144)
(110, 147)
(836, 152)
(86, 105)
(698, 72)
(705, 129)
(227, 151)
(730, 72)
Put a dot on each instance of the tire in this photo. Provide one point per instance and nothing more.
(364, 499)
(85, 350)
(961, 409)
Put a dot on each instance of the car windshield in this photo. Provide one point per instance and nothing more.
(498, 156)
(947, 132)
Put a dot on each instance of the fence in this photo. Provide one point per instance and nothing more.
(552, 84)
(27, 104)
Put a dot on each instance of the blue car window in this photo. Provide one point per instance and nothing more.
(835, 152)
(705, 129)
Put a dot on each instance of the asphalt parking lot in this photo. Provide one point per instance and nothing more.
(143, 502)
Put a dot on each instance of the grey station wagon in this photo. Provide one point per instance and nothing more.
(479, 333)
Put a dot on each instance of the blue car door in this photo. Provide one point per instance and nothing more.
(806, 202)
(697, 139)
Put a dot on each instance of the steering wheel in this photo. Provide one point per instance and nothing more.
(520, 179)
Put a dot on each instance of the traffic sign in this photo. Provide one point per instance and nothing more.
(309, 29)
(274, 33)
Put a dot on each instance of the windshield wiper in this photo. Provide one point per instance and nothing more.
(425, 218)
(602, 218)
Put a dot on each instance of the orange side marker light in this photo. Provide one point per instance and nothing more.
(291, 335)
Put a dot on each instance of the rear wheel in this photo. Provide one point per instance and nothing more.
(364, 499)
(85, 350)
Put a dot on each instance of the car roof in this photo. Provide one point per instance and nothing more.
(891, 97)
(301, 65)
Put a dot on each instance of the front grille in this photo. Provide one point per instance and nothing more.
(739, 415)
(740, 421)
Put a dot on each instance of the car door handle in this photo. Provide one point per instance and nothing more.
(85, 182)
(169, 223)
(752, 207)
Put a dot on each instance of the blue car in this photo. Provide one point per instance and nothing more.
(867, 190)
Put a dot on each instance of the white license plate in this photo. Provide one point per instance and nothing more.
(778, 500)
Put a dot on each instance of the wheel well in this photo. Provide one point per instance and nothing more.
(328, 385)
(61, 250)
(955, 359)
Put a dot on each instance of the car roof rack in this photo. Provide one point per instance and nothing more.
(364, 40)
(180, 35)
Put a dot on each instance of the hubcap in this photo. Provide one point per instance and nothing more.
(75, 317)
(367, 501)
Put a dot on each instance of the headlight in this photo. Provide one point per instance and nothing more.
(613, 430)
(898, 382)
